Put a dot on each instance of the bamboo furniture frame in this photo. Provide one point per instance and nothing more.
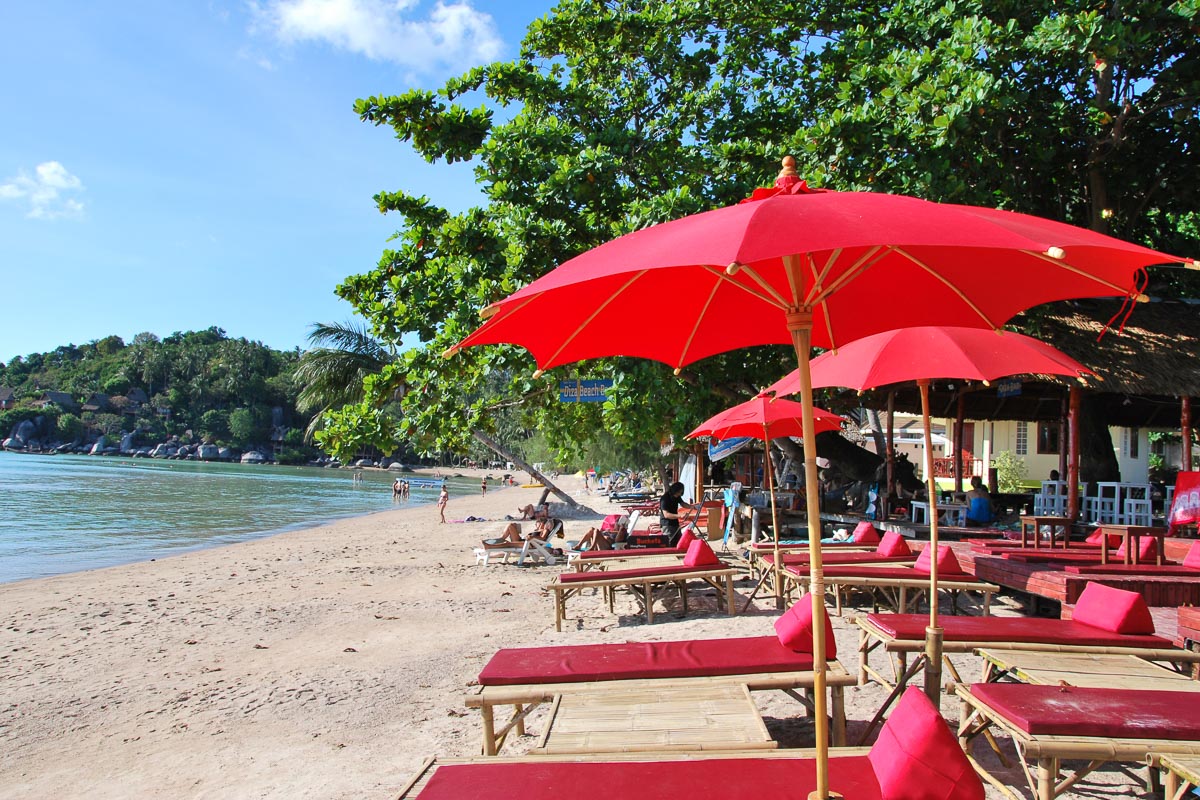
(525, 698)
(643, 588)
(1087, 670)
(895, 593)
(1181, 773)
(1050, 750)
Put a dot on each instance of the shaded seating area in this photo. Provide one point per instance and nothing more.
(648, 583)
(915, 758)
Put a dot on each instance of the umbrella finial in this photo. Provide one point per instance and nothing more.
(787, 176)
(537, 373)
(450, 352)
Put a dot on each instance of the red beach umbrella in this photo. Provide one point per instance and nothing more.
(922, 354)
(766, 418)
(805, 266)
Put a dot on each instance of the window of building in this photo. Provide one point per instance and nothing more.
(1047, 435)
(1022, 438)
(1132, 433)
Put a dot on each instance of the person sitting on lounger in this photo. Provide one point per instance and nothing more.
(597, 539)
(511, 536)
(979, 504)
(531, 511)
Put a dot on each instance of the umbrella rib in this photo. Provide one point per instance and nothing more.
(1081, 273)
(766, 287)
(587, 320)
(867, 261)
(696, 327)
(769, 297)
(819, 279)
(948, 285)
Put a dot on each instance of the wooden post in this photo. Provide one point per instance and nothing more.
(933, 634)
(775, 520)
(1073, 402)
(1185, 422)
(959, 438)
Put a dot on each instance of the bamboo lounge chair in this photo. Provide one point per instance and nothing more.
(646, 584)
(895, 586)
(585, 560)
(528, 677)
(915, 758)
(1049, 724)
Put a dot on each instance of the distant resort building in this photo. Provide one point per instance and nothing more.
(60, 399)
(8, 398)
(98, 403)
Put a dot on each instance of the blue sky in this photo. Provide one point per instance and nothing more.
(168, 166)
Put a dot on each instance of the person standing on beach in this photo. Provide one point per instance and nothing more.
(668, 509)
(483, 487)
(443, 499)
(397, 489)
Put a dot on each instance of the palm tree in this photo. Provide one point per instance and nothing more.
(332, 372)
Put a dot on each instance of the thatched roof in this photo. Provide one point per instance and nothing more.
(1146, 368)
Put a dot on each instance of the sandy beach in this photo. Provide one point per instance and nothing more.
(321, 663)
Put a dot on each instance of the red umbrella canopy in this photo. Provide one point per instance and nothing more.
(763, 417)
(867, 262)
(929, 352)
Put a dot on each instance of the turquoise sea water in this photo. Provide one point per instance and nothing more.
(68, 513)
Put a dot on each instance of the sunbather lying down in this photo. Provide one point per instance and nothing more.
(596, 539)
(512, 534)
(531, 511)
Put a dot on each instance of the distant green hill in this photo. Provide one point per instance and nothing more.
(226, 390)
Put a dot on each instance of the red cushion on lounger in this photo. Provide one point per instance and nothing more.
(665, 572)
(1147, 550)
(893, 544)
(947, 562)
(795, 629)
(727, 778)
(865, 533)
(632, 660)
(1110, 713)
(1114, 540)
(699, 554)
(916, 755)
(626, 553)
(871, 557)
(1193, 556)
(685, 540)
(1113, 610)
(886, 571)
(911, 628)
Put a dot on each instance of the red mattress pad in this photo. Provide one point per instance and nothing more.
(643, 572)
(699, 779)
(889, 573)
(645, 551)
(1075, 711)
(631, 660)
(870, 557)
(911, 627)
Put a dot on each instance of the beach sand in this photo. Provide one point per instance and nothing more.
(320, 663)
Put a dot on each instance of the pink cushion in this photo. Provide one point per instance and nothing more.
(636, 574)
(1094, 538)
(686, 540)
(699, 554)
(1109, 713)
(631, 660)
(791, 559)
(795, 628)
(947, 562)
(911, 628)
(917, 757)
(1113, 610)
(865, 533)
(612, 555)
(1193, 556)
(1147, 550)
(893, 544)
(610, 522)
(727, 778)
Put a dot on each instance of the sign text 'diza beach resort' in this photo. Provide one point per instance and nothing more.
(583, 391)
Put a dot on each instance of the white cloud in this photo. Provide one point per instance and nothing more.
(450, 35)
(51, 191)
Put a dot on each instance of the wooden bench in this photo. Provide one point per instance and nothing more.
(645, 584)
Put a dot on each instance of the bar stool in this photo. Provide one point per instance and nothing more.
(920, 512)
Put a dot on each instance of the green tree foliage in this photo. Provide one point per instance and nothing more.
(332, 371)
(621, 113)
(247, 426)
(188, 374)
(69, 427)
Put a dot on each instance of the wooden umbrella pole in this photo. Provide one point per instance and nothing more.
(774, 519)
(933, 634)
(799, 322)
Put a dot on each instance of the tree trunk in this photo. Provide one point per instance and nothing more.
(495, 447)
(1097, 459)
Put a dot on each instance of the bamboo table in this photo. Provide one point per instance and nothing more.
(699, 716)
(1182, 773)
(1086, 670)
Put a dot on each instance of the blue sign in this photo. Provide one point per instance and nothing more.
(718, 450)
(1008, 388)
(589, 391)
